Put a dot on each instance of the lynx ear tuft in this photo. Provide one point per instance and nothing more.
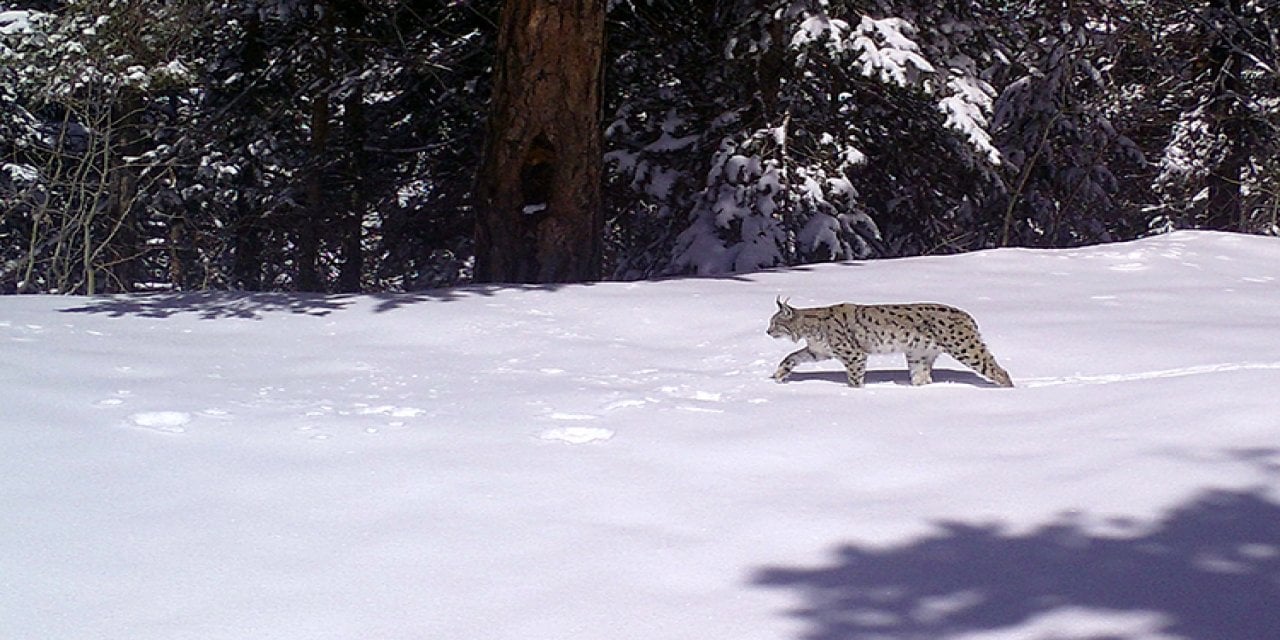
(785, 308)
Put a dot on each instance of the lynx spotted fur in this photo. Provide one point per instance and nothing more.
(849, 332)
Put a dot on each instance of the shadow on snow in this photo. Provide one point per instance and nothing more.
(214, 305)
(1210, 570)
(897, 376)
(211, 305)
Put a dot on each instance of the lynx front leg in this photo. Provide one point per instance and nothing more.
(788, 363)
(856, 364)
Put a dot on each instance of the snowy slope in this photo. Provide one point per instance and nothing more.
(612, 461)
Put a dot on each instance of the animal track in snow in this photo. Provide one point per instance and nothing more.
(572, 416)
(577, 435)
(321, 418)
(695, 400)
(121, 397)
(1110, 378)
(392, 411)
(684, 393)
(161, 421)
(697, 409)
(625, 404)
(1129, 266)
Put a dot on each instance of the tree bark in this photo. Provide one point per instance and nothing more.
(247, 223)
(246, 269)
(124, 250)
(353, 223)
(538, 216)
(317, 210)
(316, 216)
(1224, 210)
(352, 16)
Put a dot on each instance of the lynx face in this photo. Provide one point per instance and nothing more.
(780, 325)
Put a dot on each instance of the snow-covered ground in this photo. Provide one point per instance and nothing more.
(612, 461)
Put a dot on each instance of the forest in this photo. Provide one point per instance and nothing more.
(357, 146)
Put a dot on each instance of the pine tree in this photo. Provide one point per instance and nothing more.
(538, 198)
(823, 126)
(90, 92)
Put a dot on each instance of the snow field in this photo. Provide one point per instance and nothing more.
(613, 461)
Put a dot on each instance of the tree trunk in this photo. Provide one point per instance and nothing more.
(123, 251)
(353, 223)
(538, 216)
(316, 214)
(1224, 209)
(317, 209)
(246, 269)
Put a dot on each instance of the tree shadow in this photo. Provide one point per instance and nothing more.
(1266, 459)
(212, 305)
(393, 301)
(899, 377)
(1210, 570)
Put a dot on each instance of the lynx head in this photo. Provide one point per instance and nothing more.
(780, 325)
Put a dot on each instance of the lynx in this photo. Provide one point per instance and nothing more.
(849, 332)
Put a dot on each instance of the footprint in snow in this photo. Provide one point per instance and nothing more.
(571, 416)
(119, 399)
(1111, 378)
(391, 411)
(161, 421)
(696, 400)
(1129, 266)
(312, 433)
(629, 403)
(577, 435)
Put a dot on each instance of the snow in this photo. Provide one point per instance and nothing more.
(613, 461)
(14, 22)
(886, 51)
(20, 172)
(817, 27)
(966, 110)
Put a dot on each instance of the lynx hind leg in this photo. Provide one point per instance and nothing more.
(995, 372)
(965, 344)
(976, 356)
(920, 365)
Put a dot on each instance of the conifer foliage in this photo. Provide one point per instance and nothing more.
(340, 146)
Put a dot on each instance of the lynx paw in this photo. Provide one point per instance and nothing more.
(780, 375)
